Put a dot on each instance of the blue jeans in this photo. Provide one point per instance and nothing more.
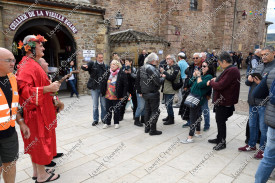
(95, 97)
(206, 114)
(267, 164)
(256, 121)
(140, 106)
(169, 104)
(73, 87)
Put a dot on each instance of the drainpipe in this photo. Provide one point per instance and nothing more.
(234, 20)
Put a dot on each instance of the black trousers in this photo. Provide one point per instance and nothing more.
(195, 119)
(112, 106)
(152, 101)
(134, 100)
(222, 115)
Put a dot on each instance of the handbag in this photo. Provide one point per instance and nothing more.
(177, 86)
(261, 90)
(192, 100)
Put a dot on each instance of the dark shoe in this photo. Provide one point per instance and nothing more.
(58, 155)
(147, 130)
(205, 129)
(71, 96)
(219, 147)
(52, 164)
(155, 132)
(186, 125)
(170, 121)
(137, 122)
(165, 119)
(142, 119)
(213, 141)
(247, 148)
(259, 155)
(95, 123)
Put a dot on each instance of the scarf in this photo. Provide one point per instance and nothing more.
(114, 73)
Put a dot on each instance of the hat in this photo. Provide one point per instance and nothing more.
(181, 54)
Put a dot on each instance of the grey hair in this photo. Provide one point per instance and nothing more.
(173, 58)
(199, 54)
(270, 48)
(257, 51)
(27, 38)
(225, 56)
(196, 54)
(151, 57)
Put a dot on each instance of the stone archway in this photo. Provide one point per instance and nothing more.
(60, 45)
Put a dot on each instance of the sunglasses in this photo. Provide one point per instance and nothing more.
(195, 57)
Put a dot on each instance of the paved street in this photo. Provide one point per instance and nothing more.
(128, 155)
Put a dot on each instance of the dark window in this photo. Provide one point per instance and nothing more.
(193, 5)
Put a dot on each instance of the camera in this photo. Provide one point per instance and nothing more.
(127, 67)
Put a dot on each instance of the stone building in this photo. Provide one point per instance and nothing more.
(69, 28)
(165, 26)
(196, 24)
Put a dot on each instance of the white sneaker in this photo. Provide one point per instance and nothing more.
(105, 126)
(187, 141)
(198, 135)
(116, 126)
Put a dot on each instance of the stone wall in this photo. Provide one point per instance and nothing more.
(133, 50)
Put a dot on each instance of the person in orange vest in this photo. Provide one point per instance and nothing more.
(9, 99)
(35, 88)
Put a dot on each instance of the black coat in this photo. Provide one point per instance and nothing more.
(131, 79)
(97, 73)
(121, 84)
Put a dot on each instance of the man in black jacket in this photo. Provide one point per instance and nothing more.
(150, 83)
(141, 58)
(97, 70)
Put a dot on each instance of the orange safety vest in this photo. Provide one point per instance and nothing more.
(7, 115)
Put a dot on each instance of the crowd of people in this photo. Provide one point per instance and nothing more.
(29, 98)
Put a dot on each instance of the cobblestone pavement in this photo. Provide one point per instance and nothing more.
(127, 154)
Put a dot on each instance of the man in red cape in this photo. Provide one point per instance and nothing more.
(39, 112)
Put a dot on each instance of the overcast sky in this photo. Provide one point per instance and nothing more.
(270, 16)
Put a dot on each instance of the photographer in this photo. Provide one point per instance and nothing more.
(131, 77)
(171, 75)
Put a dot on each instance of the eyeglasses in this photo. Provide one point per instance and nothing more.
(8, 60)
(195, 57)
(204, 66)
